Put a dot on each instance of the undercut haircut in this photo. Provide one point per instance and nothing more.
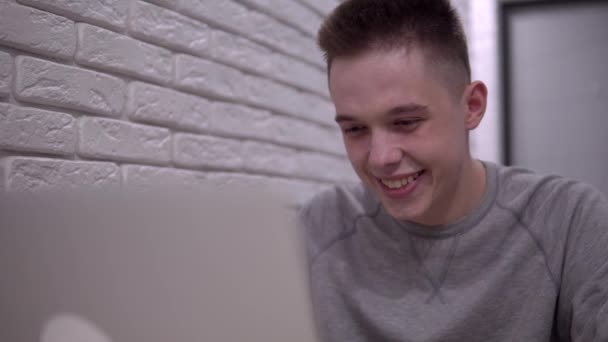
(357, 26)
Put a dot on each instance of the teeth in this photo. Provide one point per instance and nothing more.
(395, 184)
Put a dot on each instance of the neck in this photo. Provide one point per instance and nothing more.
(467, 194)
(469, 191)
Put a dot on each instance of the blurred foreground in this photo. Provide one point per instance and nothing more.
(224, 265)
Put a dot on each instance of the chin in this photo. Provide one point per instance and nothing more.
(402, 212)
(408, 205)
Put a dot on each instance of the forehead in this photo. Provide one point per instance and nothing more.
(377, 81)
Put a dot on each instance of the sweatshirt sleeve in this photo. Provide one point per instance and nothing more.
(583, 301)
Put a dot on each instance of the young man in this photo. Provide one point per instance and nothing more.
(435, 245)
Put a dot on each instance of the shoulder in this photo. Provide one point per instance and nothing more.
(338, 203)
(351, 198)
(333, 211)
(551, 198)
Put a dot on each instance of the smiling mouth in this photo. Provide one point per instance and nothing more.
(398, 183)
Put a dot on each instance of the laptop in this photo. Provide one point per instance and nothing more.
(213, 266)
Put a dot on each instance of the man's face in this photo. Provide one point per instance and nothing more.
(404, 130)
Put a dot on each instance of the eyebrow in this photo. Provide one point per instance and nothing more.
(398, 110)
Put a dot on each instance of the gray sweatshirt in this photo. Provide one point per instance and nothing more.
(530, 263)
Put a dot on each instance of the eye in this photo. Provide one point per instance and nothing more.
(410, 123)
(353, 129)
(406, 122)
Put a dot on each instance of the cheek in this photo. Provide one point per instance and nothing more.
(448, 140)
(440, 154)
(355, 152)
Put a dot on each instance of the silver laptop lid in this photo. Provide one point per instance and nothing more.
(222, 265)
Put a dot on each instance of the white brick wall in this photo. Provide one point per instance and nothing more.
(107, 13)
(102, 138)
(36, 31)
(103, 49)
(179, 32)
(291, 12)
(6, 66)
(36, 174)
(197, 151)
(43, 82)
(322, 7)
(36, 130)
(128, 93)
(217, 80)
(234, 17)
(166, 107)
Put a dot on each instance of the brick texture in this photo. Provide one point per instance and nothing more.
(323, 7)
(235, 17)
(6, 70)
(174, 93)
(102, 138)
(100, 48)
(36, 130)
(213, 79)
(196, 151)
(289, 12)
(157, 105)
(241, 121)
(43, 82)
(36, 31)
(110, 13)
(168, 28)
(160, 106)
(268, 158)
(42, 174)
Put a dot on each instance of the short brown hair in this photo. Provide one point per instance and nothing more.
(433, 26)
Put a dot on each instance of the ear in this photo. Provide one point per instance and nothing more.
(475, 99)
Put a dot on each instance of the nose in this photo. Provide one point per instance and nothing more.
(384, 152)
